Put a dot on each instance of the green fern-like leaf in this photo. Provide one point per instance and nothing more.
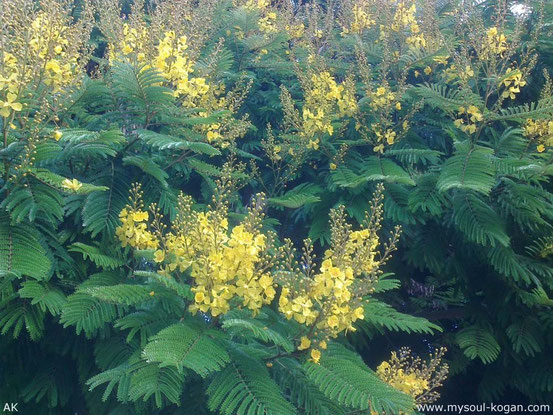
(96, 255)
(44, 294)
(20, 250)
(469, 168)
(344, 378)
(478, 342)
(478, 221)
(258, 330)
(185, 346)
(244, 387)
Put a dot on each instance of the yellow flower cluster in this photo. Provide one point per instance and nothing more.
(472, 115)
(48, 42)
(325, 99)
(512, 82)
(132, 44)
(414, 377)
(541, 131)
(383, 137)
(405, 19)
(133, 230)
(383, 98)
(494, 43)
(360, 20)
(329, 301)
(171, 59)
(226, 268)
(256, 4)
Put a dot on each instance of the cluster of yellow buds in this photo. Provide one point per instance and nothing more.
(541, 131)
(414, 377)
(494, 43)
(328, 301)
(360, 19)
(512, 82)
(472, 115)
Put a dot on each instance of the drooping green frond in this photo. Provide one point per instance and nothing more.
(16, 315)
(344, 378)
(20, 250)
(381, 314)
(185, 346)
(119, 376)
(303, 393)
(161, 382)
(426, 197)
(58, 181)
(87, 313)
(96, 255)
(166, 142)
(145, 323)
(525, 334)
(477, 220)
(149, 167)
(124, 294)
(257, 329)
(299, 196)
(445, 98)
(244, 387)
(535, 110)
(101, 209)
(478, 342)
(46, 295)
(373, 169)
(34, 201)
(469, 168)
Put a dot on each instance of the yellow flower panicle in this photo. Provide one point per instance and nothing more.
(541, 131)
(229, 267)
(328, 301)
(494, 44)
(469, 118)
(133, 230)
(414, 377)
(359, 19)
(512, 82)
(325, 100)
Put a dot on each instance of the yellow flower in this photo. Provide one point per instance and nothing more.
(398, 106)
(315, 355)
(428, 70)
(7, 106)
(333, 166)
(541, 148)
(152, 293)
(72, 184)
(323, 345)
(159, 255)
(305, 343)
(57, 135)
